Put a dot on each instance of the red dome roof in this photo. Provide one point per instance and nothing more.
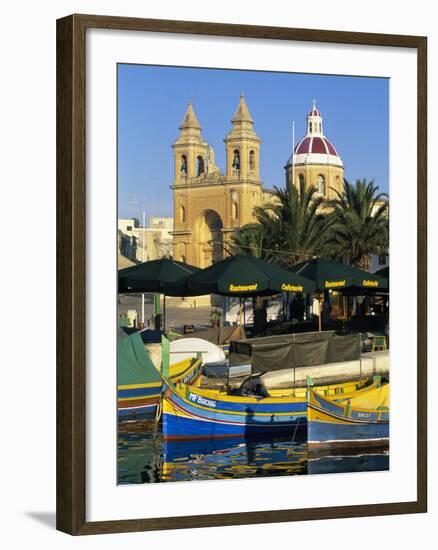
(319, 145)
(313, 112)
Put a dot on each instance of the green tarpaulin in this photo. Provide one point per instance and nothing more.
(244, 347)
(133, 363)
(311, 349)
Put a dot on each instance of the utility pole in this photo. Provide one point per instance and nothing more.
(293, 153)
(143, 259)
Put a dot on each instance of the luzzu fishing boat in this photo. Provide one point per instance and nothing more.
(136, 401)
(361, 420)
(140, 383)
(191, 412)
(336, 392)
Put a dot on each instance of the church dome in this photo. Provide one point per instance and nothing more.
(313, 112)
(314, 147)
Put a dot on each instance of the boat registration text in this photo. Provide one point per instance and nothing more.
(195, 398)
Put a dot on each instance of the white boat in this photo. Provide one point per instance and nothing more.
(190, 347)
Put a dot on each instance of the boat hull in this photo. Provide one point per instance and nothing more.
(333, 424)
(141, 401)
(190, 414)
(135, 403)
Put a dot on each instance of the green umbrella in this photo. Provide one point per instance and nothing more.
(153, 276)
(384, 272)
(331, 275)
(241, 276)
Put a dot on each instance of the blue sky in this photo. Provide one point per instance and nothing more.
(153, 100)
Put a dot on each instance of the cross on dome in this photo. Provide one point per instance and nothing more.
(314, 111)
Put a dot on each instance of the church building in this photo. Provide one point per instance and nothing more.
(210, 205)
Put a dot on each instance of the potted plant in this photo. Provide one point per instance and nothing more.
(215, 317)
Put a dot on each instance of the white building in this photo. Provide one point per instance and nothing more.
(141, 244)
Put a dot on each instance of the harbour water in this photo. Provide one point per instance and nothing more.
(143, 457)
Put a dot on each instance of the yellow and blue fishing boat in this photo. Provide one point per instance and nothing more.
(192, 412)
(361, 420)
(140, 383)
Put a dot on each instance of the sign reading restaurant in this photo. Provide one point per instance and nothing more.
(242, 288)
(334, 284)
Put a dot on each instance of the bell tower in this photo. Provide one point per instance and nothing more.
(242, 147)
(209, 205)
(189, 150)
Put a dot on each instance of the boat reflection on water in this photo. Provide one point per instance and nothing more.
(232, 458)
(338, 461)
(143, 457)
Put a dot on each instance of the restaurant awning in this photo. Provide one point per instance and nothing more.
(241, 275)
(384, 272)
(332, 275)
(153, 276)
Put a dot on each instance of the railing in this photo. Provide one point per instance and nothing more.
(204, 178)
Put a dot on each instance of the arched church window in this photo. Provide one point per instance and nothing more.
(301, 179)
(310, 126)
(320, 184)
(236, 159)
(252, 161)
(184, 165)
(200, 166)
(182, 213)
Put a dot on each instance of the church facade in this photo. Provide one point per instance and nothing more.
(210, 205)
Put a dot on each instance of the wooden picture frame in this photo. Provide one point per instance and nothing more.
(71, 272)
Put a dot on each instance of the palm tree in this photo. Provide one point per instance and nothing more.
(251, 240)
(359, 224)
(289, 229)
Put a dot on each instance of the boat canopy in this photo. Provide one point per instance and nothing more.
(134, 365)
